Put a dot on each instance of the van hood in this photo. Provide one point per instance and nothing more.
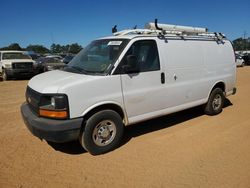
(58, 81)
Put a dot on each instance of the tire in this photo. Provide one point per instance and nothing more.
(215, 102)
(44, 69)
(103, 132)
(5, 76)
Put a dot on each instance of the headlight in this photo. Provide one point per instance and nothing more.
(53, 101)
(54, 106)
(49, 67)
(8, 66)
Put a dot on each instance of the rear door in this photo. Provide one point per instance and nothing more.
(143, 91)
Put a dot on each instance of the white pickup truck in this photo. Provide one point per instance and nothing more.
(15, 64)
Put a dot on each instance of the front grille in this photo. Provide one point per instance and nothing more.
(33, 99)
(21, 65)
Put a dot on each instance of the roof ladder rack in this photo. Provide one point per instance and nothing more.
(170, 30)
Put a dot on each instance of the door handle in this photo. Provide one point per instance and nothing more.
(175, 77)
(163, 78)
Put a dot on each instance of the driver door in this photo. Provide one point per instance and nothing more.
(143, 91)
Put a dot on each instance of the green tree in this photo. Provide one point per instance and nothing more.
(56, 48)
(241, 44)
(37, 49)
(74, 48)
(13, 46)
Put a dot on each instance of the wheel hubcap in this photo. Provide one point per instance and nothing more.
(104, 133)
(217, 102)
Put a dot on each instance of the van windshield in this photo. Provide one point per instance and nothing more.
(98, 57)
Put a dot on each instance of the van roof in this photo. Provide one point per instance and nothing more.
(121, 37)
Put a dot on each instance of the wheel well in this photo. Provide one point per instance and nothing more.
(220, 85)
(113, 107)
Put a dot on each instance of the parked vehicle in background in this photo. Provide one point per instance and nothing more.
(67, 59)
(246, 58)
(15, 64)
(44, 64)
(54, 56)
(239, 61)
(33, 55)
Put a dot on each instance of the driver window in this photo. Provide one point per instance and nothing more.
(147, 55)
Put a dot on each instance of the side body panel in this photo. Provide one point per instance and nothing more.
(191, 67)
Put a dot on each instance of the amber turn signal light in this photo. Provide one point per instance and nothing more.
(53, 114)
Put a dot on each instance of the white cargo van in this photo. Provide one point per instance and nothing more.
(132, 76)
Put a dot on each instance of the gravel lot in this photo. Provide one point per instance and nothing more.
(185, 149)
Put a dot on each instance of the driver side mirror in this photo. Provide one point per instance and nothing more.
(132, 65)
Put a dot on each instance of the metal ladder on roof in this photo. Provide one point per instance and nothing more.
(165, 30)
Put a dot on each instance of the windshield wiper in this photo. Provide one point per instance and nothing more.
(78, 69)
(81, 70)
(93, 72)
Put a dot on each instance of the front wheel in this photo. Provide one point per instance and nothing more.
(103, 132)
(215, 102)
(5, 75)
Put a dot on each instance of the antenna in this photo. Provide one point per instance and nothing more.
(245, 40)
(114, 29)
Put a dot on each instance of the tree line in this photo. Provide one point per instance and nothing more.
(40, 49)
(241, 44)
(238, 44)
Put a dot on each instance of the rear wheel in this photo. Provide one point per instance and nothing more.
(103, 132)
(215, 102)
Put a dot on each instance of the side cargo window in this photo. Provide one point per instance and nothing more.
(146, 54)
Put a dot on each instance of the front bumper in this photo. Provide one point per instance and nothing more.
(49, 129)
(20, 72)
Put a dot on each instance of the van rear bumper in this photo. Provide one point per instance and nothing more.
(49, 129)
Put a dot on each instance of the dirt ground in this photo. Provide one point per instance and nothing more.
(185, 149)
